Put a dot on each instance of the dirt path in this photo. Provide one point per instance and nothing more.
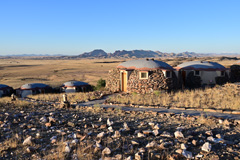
(162, 109)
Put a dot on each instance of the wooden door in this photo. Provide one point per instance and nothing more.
(124, 81)
(184, 77)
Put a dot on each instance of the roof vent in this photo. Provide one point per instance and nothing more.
(147, 59)
(152, 59)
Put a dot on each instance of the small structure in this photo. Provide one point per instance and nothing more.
(142, 76)
(32, 89)
(5, 90)
(75, 86)
(202, 73)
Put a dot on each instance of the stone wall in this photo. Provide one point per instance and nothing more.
(156, 81)
(113, 81)
(235, 73)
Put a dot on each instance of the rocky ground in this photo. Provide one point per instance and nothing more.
(47, 132)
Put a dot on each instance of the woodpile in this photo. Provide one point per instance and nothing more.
(113, 81)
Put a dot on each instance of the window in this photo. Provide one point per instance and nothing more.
(222, 73)
(197, 73)
(168, 74)
(143, 75)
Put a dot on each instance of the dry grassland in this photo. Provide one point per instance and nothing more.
(16, 72)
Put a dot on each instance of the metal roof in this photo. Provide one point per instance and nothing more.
(201, 65)
(75, 83)
(144, 65)
(34, 86)
(3, 86)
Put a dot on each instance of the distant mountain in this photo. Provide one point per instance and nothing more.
(135, 54)
(97, 53)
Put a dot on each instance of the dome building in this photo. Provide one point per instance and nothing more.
(32, 89)
(5, 90)
(75, 86)
(142, 76)
(202, 73)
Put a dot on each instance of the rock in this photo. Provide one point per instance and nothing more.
(110, 129)
(30, 149)
(178, 134)
(117, 134)
(67, 148)
(53, 139)
(209, 133)
(187, 154)
(48, 124)
(125, 126)
(71, 124)
(194, 142)
(101, 135)
(43, 120)
(183, 146)
(157, 126)
(147, 132)
(27, 141)
(179, 151)
(206, 147)
(106, 151)
(134, 142)
(109, 123)
(151, 124)
(138, 156)
(166, 134)
(151, 144)
(155, 132)
(103, 126)
(140, 135)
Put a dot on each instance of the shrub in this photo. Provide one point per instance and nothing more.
(100, 84)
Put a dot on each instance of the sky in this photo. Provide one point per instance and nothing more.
(72, 27)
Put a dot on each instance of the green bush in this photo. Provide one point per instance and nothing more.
(100, 84)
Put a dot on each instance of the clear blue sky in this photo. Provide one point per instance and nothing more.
(77, 26)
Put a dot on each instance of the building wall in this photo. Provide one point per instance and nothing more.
(113, 81)
(156, 81)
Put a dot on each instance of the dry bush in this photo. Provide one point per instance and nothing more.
(219, 97)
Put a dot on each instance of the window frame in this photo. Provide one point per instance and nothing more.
(199, 73)
(140, 75)
(222, 73)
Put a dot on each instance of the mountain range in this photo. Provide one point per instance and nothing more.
(99, 53)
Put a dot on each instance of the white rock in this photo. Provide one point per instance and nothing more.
(110, 129)
(75, 141)
(100, 135)
(138, 156)
(207, 147)
(109, 123)
(53, 139)
(98, 145)
(67, 149)
(151, 124)
(106, 151)
(125, 126)
(183, 146)
(140, 135)
(187, 154)
(100, 119)
(28, 141)
(178, 134)
(128, 158)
